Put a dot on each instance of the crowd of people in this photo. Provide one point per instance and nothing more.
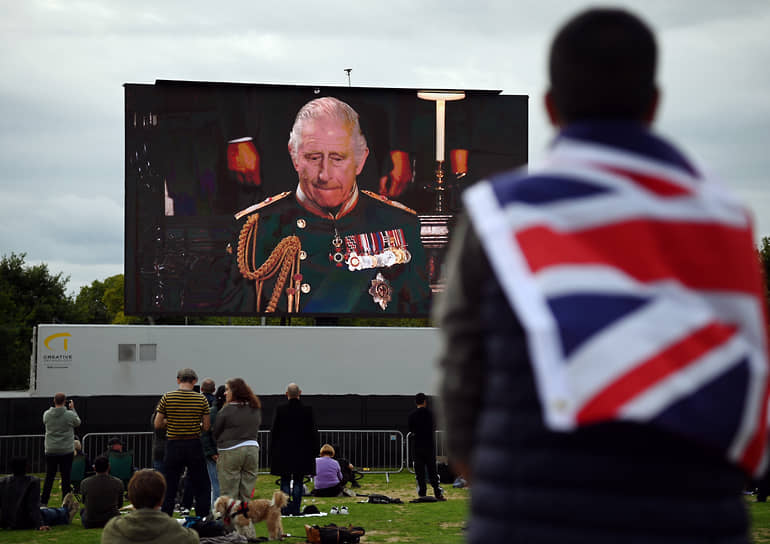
(206, 442)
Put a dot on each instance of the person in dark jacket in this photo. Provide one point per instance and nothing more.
(422, 427)
(20, 502)
(102, 496)
(294, 444)
(629, 477)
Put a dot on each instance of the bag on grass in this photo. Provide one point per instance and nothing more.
(374, 498)
(332, 534)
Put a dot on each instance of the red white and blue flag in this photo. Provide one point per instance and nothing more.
(639, 287)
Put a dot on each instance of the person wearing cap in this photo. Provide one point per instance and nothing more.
(184, 413)
(115, 445)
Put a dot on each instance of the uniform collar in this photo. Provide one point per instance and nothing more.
(313, 208)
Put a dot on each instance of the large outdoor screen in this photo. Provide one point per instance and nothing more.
(246, 200)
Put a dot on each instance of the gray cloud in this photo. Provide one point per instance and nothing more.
(61, 97)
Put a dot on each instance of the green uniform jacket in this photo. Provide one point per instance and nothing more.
(326, 287)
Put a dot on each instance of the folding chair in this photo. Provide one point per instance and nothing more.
(77, 474)
(122, 466)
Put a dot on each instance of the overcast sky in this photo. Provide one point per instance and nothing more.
(63, 64)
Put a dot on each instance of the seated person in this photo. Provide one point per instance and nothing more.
(147, 524)
(349, 473)
(20, 502)
(102, 496)
(328, 476)
(115, 445)
(80, 453)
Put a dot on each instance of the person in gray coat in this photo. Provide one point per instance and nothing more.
(59, 422)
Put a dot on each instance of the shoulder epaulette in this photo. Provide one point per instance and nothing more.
(260, 205)
(390, 202)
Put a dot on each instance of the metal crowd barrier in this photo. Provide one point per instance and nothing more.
(438, 442)
(371, 451)
(31, 446)
(139, 444)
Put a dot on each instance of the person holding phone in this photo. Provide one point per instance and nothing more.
(60, 422)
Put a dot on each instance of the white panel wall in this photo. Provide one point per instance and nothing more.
(322, 360)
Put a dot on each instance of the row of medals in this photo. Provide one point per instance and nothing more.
(390, 257)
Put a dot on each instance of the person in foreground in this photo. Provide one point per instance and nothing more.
(604, 358)
(20, 502)
(147, 524)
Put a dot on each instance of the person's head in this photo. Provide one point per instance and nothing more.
(239, 391)
(115, 444)
(147, 488)
(602, 66)
(420, 399)
(221, 396)
(101, 464)
(187, 375)
(59, 399)
(293, 391)
(327, 450)
(18, 466)
(208, 386)
(78, 447)
(328, 150)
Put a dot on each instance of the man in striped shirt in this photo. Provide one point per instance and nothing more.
(184, 413)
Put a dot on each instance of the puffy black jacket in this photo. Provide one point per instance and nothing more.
(607, 483)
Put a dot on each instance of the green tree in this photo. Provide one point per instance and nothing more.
(101, 302)
(28, 295)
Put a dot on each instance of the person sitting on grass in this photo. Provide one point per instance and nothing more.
(147, 524)
(102, 496)
(20, 502)
(328, 479)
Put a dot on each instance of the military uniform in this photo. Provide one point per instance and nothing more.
(377, 266)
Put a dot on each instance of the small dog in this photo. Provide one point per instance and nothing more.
(242, 514)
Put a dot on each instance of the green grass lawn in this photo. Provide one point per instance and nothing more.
(439, 523)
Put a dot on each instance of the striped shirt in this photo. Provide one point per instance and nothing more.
(183, 411)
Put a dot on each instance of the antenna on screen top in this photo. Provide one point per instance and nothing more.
(348, 70)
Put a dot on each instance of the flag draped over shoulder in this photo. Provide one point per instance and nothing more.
(640, 291)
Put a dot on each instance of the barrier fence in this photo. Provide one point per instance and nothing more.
(371, 451)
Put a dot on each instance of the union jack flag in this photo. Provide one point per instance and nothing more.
(637, 282)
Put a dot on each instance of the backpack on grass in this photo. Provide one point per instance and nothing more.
(332, 534)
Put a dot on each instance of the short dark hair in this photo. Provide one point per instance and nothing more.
(19, 466)
(101, 464)
(208, 385)
(602, 66)
(419, 398)
(147, 488)
(59, 398)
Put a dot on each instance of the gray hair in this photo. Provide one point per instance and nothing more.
(328, 107)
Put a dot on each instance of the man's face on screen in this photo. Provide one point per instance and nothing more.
(326, 163)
